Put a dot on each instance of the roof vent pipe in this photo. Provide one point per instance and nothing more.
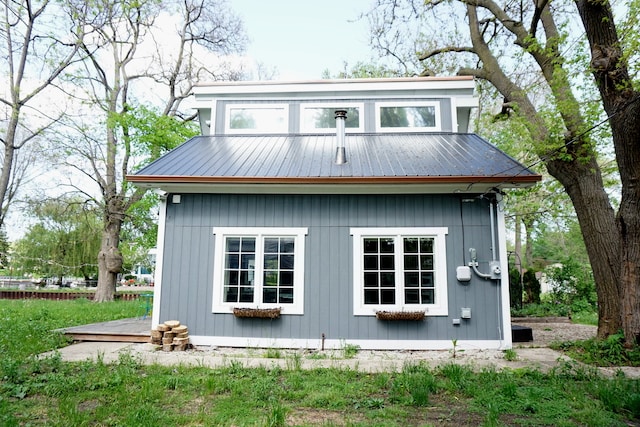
(341, 118)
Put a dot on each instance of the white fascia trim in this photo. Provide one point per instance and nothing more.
(334, 344)
(242, 188)
(218, 306)
(505, 301)
(466, 101)
(440, 308)
(279, 87)
(157, 280)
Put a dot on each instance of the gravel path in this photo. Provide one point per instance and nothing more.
(548, 330)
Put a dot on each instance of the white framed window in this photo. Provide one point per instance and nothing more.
(400, 269)
(408, 116)
(320, 117)
(254, 118)
(259, 268)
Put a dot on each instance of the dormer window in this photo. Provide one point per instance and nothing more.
(320, 118)
(257, 118)
(408, 116)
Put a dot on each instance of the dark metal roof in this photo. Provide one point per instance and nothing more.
(398, 157)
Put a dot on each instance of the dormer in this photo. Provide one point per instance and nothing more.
(417, 104)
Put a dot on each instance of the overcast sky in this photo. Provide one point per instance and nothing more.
(302, 38)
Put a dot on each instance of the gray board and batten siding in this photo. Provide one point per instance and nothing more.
(187, 276)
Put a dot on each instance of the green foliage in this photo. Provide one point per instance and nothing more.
(273, 353)
(510, 355)
(139, 233)
(572, 284)
(349, 351)
(4, 249)
(544, 309)
(602, 352)
(363, 70)
(416, 382)
(531, 286)
(556, 244)
(515, 288)
(64, 242)
(36, 390)
(32, 322)
(150, 134)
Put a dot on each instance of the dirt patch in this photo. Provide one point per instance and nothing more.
(548, 330)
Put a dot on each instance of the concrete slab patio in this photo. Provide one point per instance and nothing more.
(109, 340)
(541, 358)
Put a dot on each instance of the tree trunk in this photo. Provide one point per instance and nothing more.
(622, 105)
(109, 261)
(626, 130)
(584, 185)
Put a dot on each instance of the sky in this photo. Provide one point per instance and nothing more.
(302, 38)
(299, 38)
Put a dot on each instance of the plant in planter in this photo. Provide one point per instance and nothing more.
(260, 313)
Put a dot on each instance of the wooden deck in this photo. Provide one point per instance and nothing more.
(124, 330)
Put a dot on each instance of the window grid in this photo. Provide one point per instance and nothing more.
(419, 272)
(279, 262)
(417, 277)
(379, 270)
(239, 269)
(259, 267)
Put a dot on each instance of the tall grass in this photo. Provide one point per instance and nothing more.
(48, 391)
(28, 325)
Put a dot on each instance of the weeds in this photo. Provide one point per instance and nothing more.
(607, 352)
(510, 355)
(273, 353)
(349, 351)
(48, 391)
(294, 361)
(277, 415)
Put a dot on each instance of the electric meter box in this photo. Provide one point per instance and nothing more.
(463, 273)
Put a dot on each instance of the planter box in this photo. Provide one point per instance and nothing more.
(400, 315)
(259, 313)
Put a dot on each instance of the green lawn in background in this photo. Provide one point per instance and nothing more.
(36, 391)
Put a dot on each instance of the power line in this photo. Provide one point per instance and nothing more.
(567, 144)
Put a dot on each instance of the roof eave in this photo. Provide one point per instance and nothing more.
(337, 185)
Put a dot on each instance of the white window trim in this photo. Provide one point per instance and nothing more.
(308, 105)
(227, 118)
(441, 305)
(435, 104)
(219, 306)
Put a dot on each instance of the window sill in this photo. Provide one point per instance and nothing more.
(257, 313)
(400, 315)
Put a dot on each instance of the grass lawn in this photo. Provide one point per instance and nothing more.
(36, 391)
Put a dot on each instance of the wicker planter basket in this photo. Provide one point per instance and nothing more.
(260, 313)
(400, 315)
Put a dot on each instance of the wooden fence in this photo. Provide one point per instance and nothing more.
(22, 294)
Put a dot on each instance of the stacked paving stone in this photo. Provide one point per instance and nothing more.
(171, 336)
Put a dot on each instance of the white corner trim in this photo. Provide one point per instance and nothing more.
(157, 280)
(505, 300)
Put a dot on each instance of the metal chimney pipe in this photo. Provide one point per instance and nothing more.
(341, 155)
